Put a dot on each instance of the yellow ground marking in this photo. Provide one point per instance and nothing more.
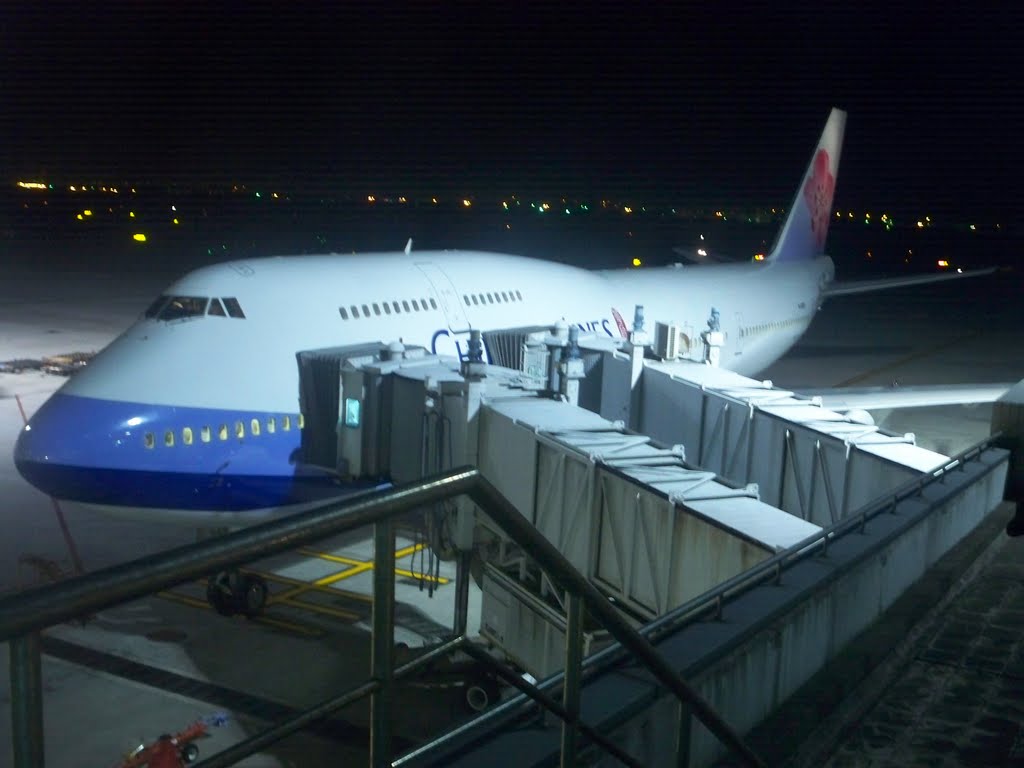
(290, 626)
(361, 566)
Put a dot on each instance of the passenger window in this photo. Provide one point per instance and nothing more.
(387, 308)
(366, 311)
(169, 438)
(433, 304)
(465, 297)
(475, 302)
(239, 429)
(343, 312)
(415, 305)
(234, 308)
(286, 423)
(355, 311)
(398, 309)
(423, 303)
(149, 440)
(490, 298)
(204, 434)
(504, 295)
(271, 425)
(376, 309)
(186, 435)
(302, 421)
(405, 305)
(222, 432)
(519, 295)
(216, 308)
(254, 427)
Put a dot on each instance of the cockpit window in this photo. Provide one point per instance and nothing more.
(216, 308)
(234, 308)
(180, 307)
(156, 306)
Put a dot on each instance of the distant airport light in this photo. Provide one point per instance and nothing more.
(959, 271)
(31, 185)
(175, 221)
(274, 195)
(701, 252)
(79, 217)
(401, 198)
(433, 200)
(504, 205)
(174, 207)
(131, 214)
(636, 262)
(627, 210)
(138, 237)
(371, 199)
(973, 228)
(758, 257)
(920, 225)
(466, 203)
(72, 188)
(943, 263)
(87, 212)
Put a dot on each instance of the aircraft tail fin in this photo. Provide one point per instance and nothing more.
(802, 236)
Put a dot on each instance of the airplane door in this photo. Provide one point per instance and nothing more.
(446, 294)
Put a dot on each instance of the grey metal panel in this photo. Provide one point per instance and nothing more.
(529, 640)
(508, 458)
(564, 504)
(654, 554)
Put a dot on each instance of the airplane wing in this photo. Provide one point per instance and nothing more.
(875, 398)
(865, 286)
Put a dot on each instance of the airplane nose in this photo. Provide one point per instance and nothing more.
(59, 449)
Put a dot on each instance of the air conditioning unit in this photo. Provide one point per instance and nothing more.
(666, 341)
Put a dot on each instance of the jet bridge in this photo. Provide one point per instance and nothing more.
(677, 480)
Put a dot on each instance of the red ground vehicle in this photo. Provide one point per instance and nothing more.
(173, 751)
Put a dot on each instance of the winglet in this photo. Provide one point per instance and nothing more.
(408, 247)
(802, 236)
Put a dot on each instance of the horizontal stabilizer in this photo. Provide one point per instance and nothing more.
(883, 284)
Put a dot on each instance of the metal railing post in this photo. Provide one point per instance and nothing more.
(573, 673)
(383, 649)
(462, 577)
(27, 701)
(685, 732)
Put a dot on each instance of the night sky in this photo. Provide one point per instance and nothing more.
(696, 102)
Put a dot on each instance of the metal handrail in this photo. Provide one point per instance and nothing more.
(24, 615)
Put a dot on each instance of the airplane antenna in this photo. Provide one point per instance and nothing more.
(408, 247)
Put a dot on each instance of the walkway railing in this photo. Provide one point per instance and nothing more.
(23, 617)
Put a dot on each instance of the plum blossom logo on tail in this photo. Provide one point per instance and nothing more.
(818, 195)
(621, 323)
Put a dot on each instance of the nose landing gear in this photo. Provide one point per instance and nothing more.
(231, 592)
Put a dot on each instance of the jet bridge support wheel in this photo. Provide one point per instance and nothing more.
(231, 592)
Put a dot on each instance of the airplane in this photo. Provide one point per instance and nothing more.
(195, 407)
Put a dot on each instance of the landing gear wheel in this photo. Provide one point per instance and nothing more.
(231, 592)
(189, 753)
(219, 594)
(252, 596)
